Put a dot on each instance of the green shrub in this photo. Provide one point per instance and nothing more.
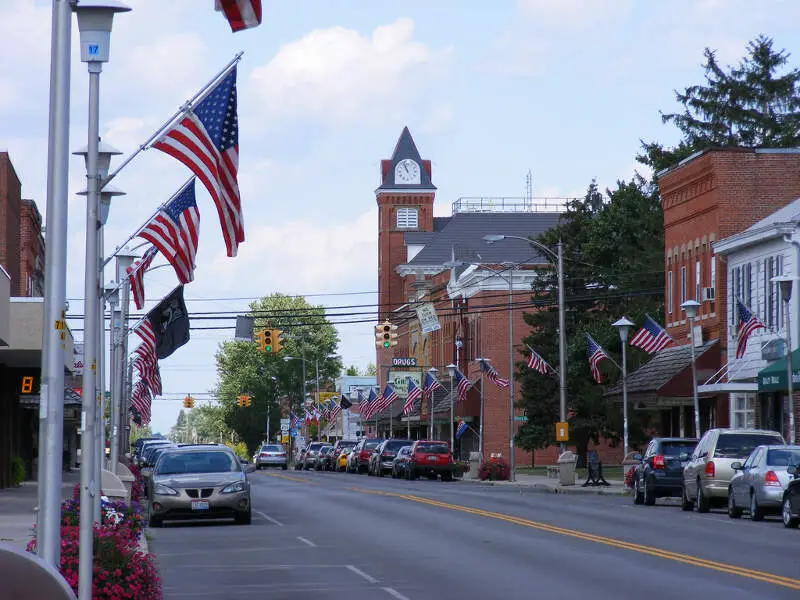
(239, 449)
(17, 471)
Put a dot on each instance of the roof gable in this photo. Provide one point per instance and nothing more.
(406, 149)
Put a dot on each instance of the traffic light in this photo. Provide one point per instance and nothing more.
(277, 342)
(188, 402)
(269, 340)
(385, 335)
(261, 339)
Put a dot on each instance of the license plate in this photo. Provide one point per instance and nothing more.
(433, 458)
(199, 504)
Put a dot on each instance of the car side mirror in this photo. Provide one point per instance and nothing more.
(637, 457)
(736, 466)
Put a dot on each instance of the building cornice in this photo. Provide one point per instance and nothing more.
(753, 237)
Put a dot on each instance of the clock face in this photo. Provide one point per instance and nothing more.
(406, 172)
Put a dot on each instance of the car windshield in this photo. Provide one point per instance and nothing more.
(740, 445)
(197, 462)
(675, 449)
(394, 446)
(272, 448)
(371, 444)
(783, 457)
(326, 450)
(405, 450)
(433, 448)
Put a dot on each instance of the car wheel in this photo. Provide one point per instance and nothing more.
(394, 473)
(379, 472)
(756, 512)
(789, 521)
(701, 503)
(686, 504)
(649, 494)
(734, 512)
(258, 467)
(637, 495)
(447, 477)
(243, 518)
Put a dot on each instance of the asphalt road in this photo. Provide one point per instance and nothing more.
(337, 536)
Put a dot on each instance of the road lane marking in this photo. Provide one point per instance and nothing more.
(688, 559)
(308, 481)
(305, 541)
(393, 592)
(270, 519)
(361, 573)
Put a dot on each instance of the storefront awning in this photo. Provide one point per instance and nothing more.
(772, 378)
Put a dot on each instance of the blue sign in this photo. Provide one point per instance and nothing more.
(94, 49)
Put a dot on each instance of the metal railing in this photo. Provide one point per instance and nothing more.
(510, 204)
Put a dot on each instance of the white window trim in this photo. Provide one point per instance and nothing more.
(670, 292)
(683, 284)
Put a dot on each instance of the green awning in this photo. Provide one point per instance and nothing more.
(772, 378)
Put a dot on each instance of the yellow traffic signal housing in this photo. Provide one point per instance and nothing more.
(261, 339)
(385, 335)
(269, 340)
(248, 401)
(277, 342)
(188, 402)
(243, 400)
(392, 335)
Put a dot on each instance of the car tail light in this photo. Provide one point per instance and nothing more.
(281, 453)
(658, 461)
(364, 454)
(771, 479)
(710, 469)
(387, 455)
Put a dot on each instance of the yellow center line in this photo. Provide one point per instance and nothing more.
(308, 481)
(772, 578)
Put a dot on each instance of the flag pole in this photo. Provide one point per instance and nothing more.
(184, 107)
(150, 218)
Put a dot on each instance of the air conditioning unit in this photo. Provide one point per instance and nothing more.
(708, 294)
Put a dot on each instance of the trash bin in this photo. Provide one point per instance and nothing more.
(566, 468)
(475, 461)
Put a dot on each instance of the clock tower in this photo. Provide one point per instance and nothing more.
(405, 203)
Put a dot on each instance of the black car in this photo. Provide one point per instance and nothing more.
(660, 472)
(381, 460)
(790, 512)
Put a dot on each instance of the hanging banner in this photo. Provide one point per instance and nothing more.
(428, 321)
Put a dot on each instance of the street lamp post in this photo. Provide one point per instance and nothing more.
(433, 372)
(785, 283)
(482, 362)
(451, 370)
(119, 346)
(690, 308)
(623, 326)
(94, 24)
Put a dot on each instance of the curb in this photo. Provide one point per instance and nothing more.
(144, 547)
(574, 490)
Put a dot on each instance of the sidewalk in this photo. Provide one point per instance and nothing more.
(546, 484)
(16, 509)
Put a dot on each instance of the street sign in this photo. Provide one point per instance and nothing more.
(562, 432)
(520, 418)
(428, 321)
(285, 439)
(244, 328)
(325, 396)
(284, 421)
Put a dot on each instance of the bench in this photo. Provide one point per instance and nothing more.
(553, 471)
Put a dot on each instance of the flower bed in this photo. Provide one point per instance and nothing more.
(494, 469)
(120, 571)
(629, 477)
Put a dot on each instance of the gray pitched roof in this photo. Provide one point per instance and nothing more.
(788, 214)
(464, 232)
(412, 238)
(667, 363)
(406, 148)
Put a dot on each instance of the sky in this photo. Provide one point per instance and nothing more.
(490, 91)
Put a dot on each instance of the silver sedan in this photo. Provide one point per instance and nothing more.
(759, 483)
(271, 455)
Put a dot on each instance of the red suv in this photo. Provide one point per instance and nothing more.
(358, 461)
(431, 458)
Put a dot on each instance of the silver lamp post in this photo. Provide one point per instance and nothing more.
(558, 255)
(95, 19)
(482, 362)
(451, 370)
(434, 372)
(119, 323)
(785, 284)
(690, 308)
(623, 327)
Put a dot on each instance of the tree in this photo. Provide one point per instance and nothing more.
(352, 371)
(371, 370)
(139, 432)
(755, 103)
(309, 339)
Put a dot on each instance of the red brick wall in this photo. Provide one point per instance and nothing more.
(10, 199)
(31, 250)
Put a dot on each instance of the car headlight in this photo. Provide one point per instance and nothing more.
(238, 486)
(164, 490)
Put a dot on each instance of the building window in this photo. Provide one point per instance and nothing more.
(697, 281)
(669, 291)
(770, 291)
(683, 285)
(743, 414)
(407, 218)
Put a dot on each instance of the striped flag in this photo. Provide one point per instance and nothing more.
(141, 400)
(147, 334)
(175, 229)
(537, 363)
(651, 337)
(146, 364)
(206, 140)
(595, 353)
(136, 276)
(293, 419)
(241, 14)
(748, 323)
(493, 375)
(387, 398)
(462, 386)
(429, 385)
(334, 412)
(462, 427)
(414, 394)
(368, 406)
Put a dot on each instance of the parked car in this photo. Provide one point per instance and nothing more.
(790, 511)
(760, 482)
(380, 461)
(311, 454)
(271, 455)
(400, 462)
(660, 472)
(342, 445)
(324, 458)
(358, 462)
(200, 482)
(341, 460)
(431, 458)
(139, 444)
(707, 475)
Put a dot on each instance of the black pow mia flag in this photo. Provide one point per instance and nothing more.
(170, 321)
(345, 403)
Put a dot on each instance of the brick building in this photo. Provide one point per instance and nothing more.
(711, 195)
(446, 261)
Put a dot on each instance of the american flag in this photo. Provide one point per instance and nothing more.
(146, 333)
(141, 400)
(294, 420)
(414, 394)
(462, 427)
(537, 363)
(387, 399)
(174, 230)
(430, 384)
(147, 365)
(136, 276)
(334, 412)
(595, 353)
(241, 14)
(493, 375)
(367, 406)
(651, 337)
(462, 386)
(206, 139)
(748, 323)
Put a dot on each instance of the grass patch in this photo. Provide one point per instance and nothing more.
(609, 472)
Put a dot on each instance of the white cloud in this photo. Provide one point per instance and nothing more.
(338, 74)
